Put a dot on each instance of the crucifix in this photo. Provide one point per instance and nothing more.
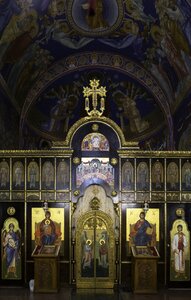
(94, 92)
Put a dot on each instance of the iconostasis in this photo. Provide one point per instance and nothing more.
(95, 173)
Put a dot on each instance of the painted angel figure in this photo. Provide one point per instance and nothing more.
(11, 252)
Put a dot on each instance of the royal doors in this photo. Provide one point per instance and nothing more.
(95, 251)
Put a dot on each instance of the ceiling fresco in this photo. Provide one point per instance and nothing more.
(140, 50)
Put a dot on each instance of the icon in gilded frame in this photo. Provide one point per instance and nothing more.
(33, 175)
(128, 175)
(157, 175)
(186, 175)
(4, 174)
(47, 175)
(172, 176)
(18, 175)
(142, 176)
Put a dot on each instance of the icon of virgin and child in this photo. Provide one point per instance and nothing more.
(48, 232)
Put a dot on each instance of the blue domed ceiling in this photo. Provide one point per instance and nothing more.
(140, 50)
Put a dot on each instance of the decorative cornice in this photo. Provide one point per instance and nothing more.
(123, 153)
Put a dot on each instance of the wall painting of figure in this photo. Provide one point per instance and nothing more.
(95, 142)
(11, 250)
(95, 16)
(180, 251)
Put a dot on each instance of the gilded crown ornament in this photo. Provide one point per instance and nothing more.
(97, 94)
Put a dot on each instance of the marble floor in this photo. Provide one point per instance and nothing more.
(70, 294)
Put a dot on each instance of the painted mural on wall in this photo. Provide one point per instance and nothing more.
(180, 251)
(32, 19)
(156, 34)
(11, 250)
(95, 142)
(47, 227)
(60, 107)
(95, 17)
(57, 105)
(95, 169)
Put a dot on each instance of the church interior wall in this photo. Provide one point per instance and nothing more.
(173, 203)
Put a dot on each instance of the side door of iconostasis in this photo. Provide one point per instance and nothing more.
(179, 223)
(12, 263)
(142, 191)
(48, 189)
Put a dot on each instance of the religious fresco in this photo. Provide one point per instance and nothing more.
(95, 142)
(58, 108)
(95, 17)
(180, 251)
(94, 169)
(11, 250)
(8, 130)
(35, 36)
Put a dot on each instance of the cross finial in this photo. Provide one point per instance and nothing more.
(94, 92)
